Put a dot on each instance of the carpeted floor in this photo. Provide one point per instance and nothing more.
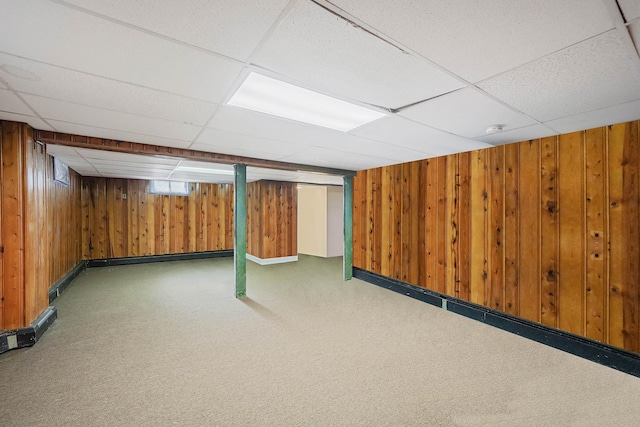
(168, 344)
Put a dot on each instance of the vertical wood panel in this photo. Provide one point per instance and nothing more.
(371, 225)
(571, 232)
(133, 239)
(478, 202)
(631, 183)
(414, 232)
(464, 228)
(359, 220)
(432, 224)
(596, 255)
(623, 234)
(13, 277)
(386, 221)
(422, 224)
(441, 224)
(451, 226)
(396, 223)
(377, 223)
(529, 276)
(511, 229)
(496, 233)
(548, 232)
(192, 213)
(409, 224)
(151, 221)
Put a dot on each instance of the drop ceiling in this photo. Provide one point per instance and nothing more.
(160, 72)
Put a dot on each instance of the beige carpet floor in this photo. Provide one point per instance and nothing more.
(168, 344)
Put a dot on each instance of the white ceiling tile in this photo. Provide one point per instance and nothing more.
(61, 150)
(634, 30)
(235, 143)
(207, 165)
(320, 156)
(355, 145)
(478, 39)
(265, 171)
(242, 121)
(223, 149)
(399, 131)
(314, 48)
(113, 156)
(86, 89)
(517, 135)
(117, 135)
(90, 116)
(128, 170)
(630, 9)
(592, 119)
(229, 27)
(256, 174)
(466, 112)
(10, 103)
(319, 179)
(201, 177)
(131, 175)
(85, 172)
(34, 122)
(69, 156)
(147, 166)
(76, 40)
(594, 74)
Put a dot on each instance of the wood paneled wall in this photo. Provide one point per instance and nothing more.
(12, 301)
(121, 218)
(37, 252)
(40, 229)
(64, 213)
(272, 219)
(548, 229)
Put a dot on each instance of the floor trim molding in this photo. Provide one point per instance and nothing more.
(595, 351)
(28, 336)
(110, 262)
(61, 285)
(269, 261)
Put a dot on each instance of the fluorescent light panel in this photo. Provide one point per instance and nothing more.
(270, 96)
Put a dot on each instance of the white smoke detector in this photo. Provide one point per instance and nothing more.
(493, 129)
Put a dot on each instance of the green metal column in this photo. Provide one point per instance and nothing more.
(240, 228)
(347, 258)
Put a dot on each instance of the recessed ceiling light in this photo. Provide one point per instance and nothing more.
(494, 129)
(270, 96)
(203, 170)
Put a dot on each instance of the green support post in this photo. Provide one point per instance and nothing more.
(240, 228)
(347, 258)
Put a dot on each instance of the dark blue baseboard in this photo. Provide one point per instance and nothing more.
(62, 284)
(592, 350)
(110, 262)
(26, 337)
